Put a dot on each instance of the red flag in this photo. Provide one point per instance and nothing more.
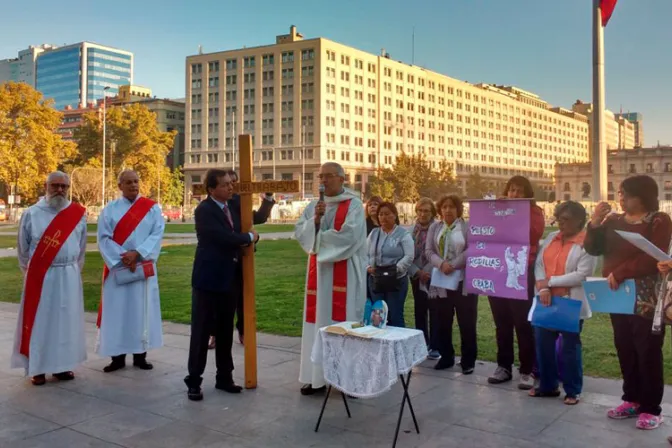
(607, 8)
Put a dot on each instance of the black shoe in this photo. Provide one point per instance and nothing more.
(195, 394)
(309, 390)
(143, 364)
(467, 370)
(444, 364)
(229, 387)
(114, 366)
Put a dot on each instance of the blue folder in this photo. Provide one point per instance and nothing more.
(602, 299)
(561, 315)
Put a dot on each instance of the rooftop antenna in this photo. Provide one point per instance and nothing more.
(200, 49)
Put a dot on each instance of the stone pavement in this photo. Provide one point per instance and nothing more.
(134, 408)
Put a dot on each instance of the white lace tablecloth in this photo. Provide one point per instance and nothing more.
(367, 368)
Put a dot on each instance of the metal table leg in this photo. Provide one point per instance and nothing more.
(405, 382)
(324, 405)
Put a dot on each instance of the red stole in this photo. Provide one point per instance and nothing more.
(57, 233)
(340, 285)
(126, 225)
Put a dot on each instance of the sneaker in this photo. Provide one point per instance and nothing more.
(526, 382)
(434, 355)
(625, 410)
(648, 421)
(500, 376)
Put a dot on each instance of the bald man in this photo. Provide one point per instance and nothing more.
(130, 230)
(51, 246)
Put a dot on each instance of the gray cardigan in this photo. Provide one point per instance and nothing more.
(436, 259)
(393, 249)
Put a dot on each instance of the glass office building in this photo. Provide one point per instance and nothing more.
(76, 75)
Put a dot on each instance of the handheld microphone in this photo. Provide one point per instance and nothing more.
(321, 190)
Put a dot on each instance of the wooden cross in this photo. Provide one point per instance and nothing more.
(246, 187)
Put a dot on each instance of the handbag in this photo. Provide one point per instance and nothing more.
(143, 271)
(384, 277)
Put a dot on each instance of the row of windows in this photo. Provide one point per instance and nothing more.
(250, 61)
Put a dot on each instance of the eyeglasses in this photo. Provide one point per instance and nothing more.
(326, 176)
(423, 210)
(59, 186)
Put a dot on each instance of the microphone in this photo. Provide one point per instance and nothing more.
(321, 189)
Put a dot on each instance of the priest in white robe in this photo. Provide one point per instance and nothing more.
(130, 231)
(51, 246)
(332, 231)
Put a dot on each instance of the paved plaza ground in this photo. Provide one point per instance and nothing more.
(134, 408)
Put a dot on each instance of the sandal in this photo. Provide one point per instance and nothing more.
(64, 376)
(571, 401)
(538, 393)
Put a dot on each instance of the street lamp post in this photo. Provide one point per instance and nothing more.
(104, 137)
(303, 163)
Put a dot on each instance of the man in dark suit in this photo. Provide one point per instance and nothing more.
(215, 282)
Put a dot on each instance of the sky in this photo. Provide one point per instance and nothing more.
(541, 46)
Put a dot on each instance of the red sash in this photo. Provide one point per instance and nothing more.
(126, 225)
(57, 233)
(340, 285)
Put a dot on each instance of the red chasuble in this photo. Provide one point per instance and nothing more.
(340, 285)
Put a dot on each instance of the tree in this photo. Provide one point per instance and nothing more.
(476, 186)
(133, 141)
(86, 184)
(172, 191)
(412, 177)
(29, 146)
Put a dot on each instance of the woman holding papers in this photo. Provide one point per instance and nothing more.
(446, 250)
(509, 314)
(639, 349)
(390, 255)
(562, 266)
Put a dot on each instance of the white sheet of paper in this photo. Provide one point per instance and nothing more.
(450, 281)
(645, 245)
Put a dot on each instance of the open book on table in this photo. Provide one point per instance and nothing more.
(354, 329)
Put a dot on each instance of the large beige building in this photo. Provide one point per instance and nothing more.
(332, 102)
(619, 131)
(574, 180)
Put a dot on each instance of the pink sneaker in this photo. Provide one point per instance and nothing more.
(625, 410)
(648, 421)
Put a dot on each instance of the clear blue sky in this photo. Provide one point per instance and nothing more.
(543, 46)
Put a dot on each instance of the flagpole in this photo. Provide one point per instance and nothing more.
(598, 147)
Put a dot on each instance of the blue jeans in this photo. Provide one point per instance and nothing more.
(395, 301)
(572, 360)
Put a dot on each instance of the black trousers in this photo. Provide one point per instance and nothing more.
(466, 308)
(429, 327)
(510, 315)
(212, 314)
(640, 354)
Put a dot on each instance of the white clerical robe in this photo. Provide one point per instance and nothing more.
(131, 314)
(57, 341)
(332, 246)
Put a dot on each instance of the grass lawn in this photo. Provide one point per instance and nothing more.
(280, 282)
(189, 228)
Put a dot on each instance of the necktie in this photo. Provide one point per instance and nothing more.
(227, 213)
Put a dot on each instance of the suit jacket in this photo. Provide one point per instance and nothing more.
(258, 216)
(218, 252)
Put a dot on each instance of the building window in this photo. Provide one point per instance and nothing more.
(213, 66)
(649, 167)
(268, 75)
(213, 81)
(195, 83)
(268, 59)
(248, 62)
(287, 56)
(307, 54)
(249, 77)
(231, 64)
(632, 169)
(307, 71)
(196, 68)
(287, 73)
